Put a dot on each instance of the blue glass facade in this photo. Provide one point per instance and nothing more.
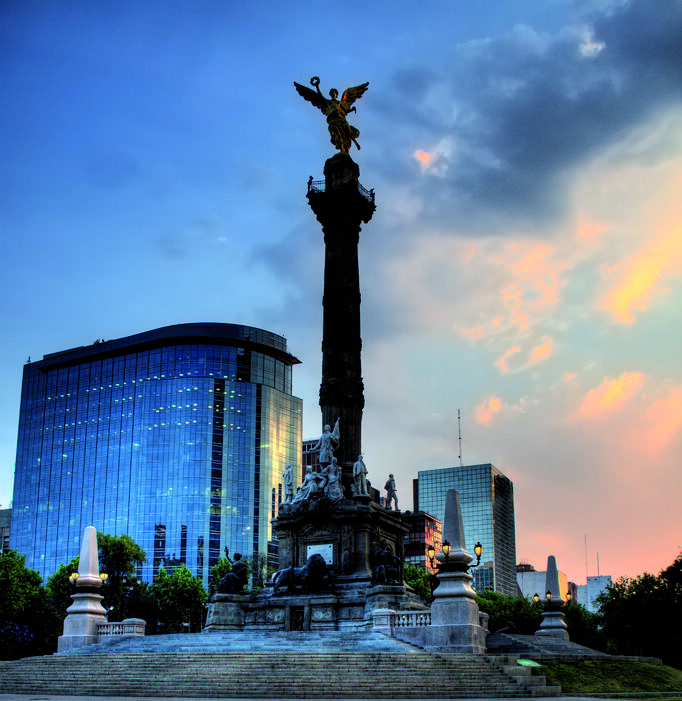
(487, 500)
(177, 437)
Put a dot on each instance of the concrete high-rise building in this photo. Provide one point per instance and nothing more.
(177, 437)
(532, 581)
(588, 593)
(487, 501)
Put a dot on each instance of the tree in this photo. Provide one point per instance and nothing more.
(421, 580)
(118, 559)
(259, 571)
(29, 624)
(643, 616)
(583, 627)
(510, 614)
(218, 571)
(59, 587)
(178, 601)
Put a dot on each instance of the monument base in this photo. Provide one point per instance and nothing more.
(226, 613)
(553, 625)
(80, 625)
(347, 607)
(461, 639)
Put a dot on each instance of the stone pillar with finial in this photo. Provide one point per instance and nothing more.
(86, 611)
(455, 625)
(553, 623)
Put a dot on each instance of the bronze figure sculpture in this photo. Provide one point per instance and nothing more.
(341, 133)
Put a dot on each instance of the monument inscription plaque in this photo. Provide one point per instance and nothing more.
(324, 549)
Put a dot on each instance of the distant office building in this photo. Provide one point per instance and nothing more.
(588, 593)
(533, 582)
(487, 501)
(5, 521)
(177, 437)
(311, 458)
(425, 531)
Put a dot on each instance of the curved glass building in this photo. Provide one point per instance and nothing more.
(177, 437)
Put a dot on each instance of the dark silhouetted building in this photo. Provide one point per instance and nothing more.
(177, 437)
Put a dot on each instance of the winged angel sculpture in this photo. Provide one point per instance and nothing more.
(341, 133)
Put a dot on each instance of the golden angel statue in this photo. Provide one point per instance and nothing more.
(341, 133)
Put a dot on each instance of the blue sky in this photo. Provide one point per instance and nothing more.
(523, 264)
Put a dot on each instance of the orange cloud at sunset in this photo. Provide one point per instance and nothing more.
(501, 362)
(544, 350)
(662, 421)
(643, 274)
(486, 410)
(611, 395)
(424, 157)
(590, 230)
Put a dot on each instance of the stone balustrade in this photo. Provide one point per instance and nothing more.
(410, 619)
(128, 627)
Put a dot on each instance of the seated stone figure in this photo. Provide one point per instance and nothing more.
(313, 483)
(386, 568)
(235, 581)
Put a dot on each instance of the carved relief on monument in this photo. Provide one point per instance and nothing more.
(347, 553)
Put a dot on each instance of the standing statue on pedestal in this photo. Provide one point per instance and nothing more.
(332, 473)
(328, 443)
(288, 481)
(391, 493)
(341, 133)
(360, 478)
(235, 581)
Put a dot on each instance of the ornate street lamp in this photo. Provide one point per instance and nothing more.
(431, 553)
(536, 598)
(478, 550)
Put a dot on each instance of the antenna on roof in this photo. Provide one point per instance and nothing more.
(459, 434)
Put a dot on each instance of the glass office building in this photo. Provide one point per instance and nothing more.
(177, 437)
(487, 500)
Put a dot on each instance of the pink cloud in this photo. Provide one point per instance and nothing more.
(642, 276)
(610, 396)
(501, 362)
(662, 421)
(487, 409)
(544, 350)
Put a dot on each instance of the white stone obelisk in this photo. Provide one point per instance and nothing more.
(553, 623)
(86, 611)
(455, 625)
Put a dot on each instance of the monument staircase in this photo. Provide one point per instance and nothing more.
(537, 646)
(269, 665)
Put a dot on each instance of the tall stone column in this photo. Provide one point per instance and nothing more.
(341, 204)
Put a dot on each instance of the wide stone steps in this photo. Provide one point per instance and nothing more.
(536, 645)
(261, 674)
(251, 641)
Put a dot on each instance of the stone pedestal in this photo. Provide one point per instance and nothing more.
(80, 625)
(553, 623)
(455, 623)
(86, 612)
(226, 612)
(395, 597)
